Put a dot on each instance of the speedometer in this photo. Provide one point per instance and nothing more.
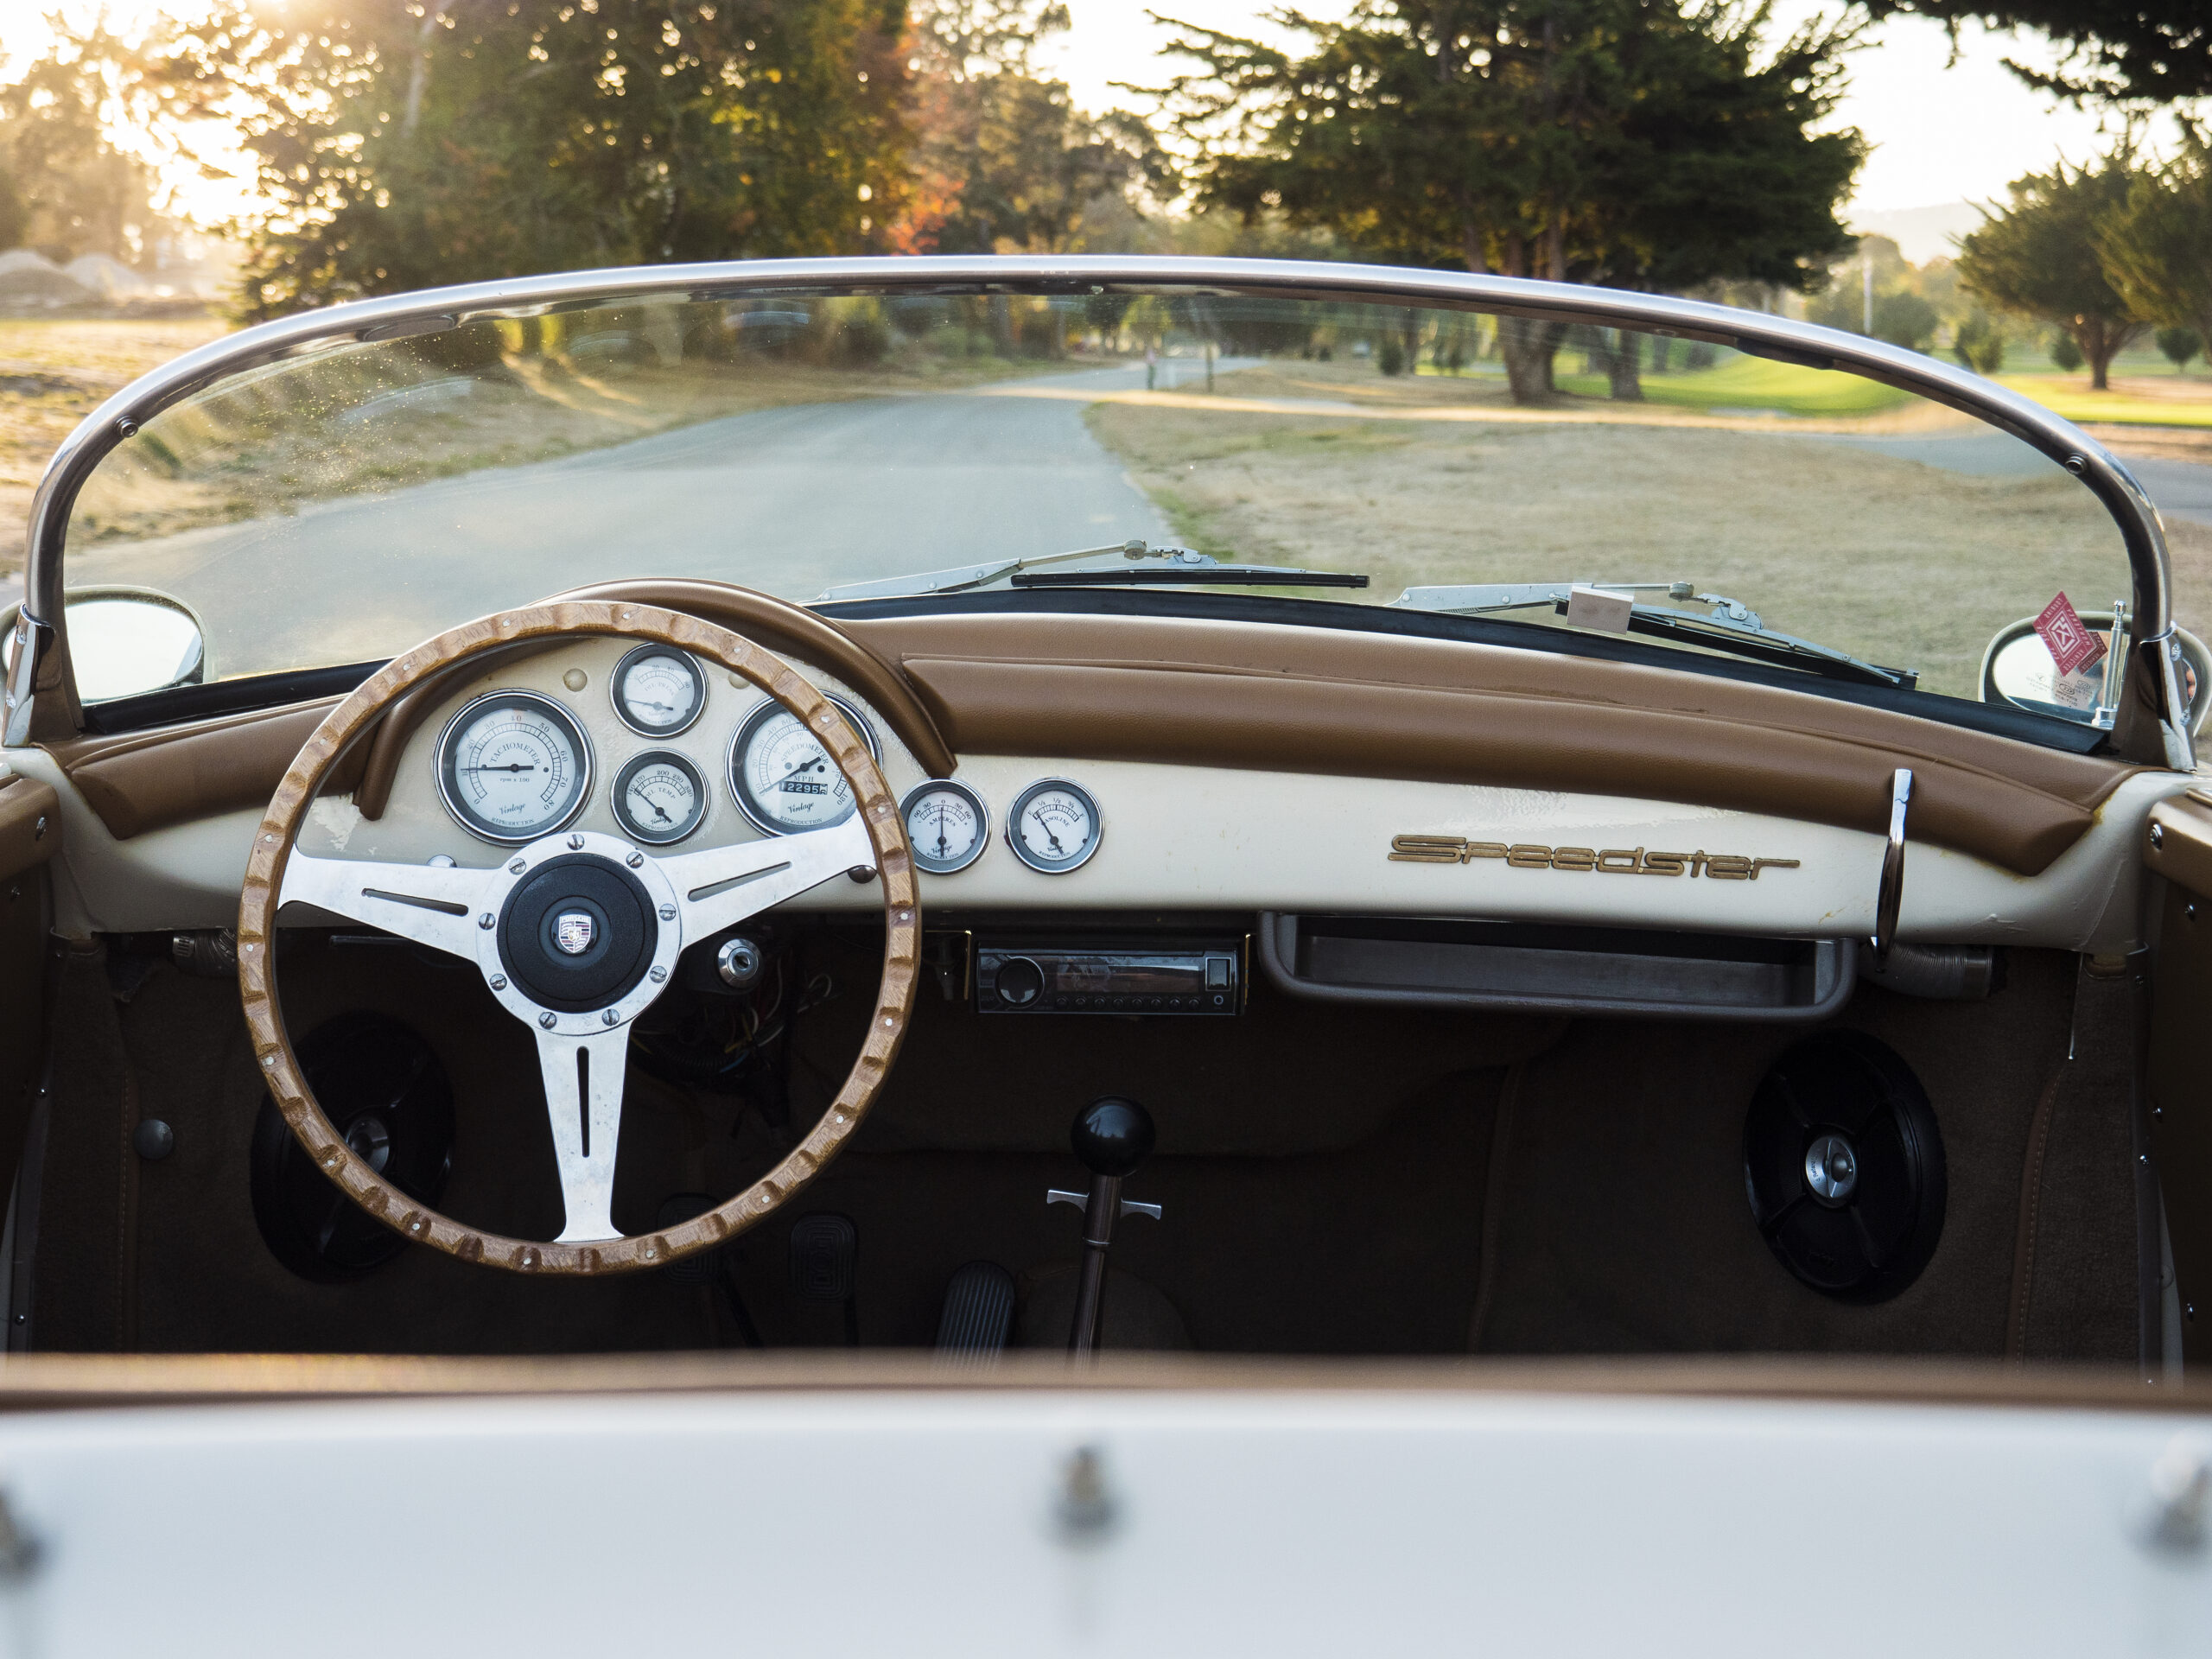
(782, 777)
(513, 765)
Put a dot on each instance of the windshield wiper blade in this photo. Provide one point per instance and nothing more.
(1731, 625)
(1184, 566)
(1216, 575)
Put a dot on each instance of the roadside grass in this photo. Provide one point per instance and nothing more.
(369, 420)
(1890, 559)
(54, 373)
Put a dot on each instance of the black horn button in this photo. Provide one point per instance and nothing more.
(578, 934)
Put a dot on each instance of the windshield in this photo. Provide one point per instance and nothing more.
(339, 505)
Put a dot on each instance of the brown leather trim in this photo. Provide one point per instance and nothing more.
(147, 780)
(30, 824)
(1311, 700)
(1382, 706)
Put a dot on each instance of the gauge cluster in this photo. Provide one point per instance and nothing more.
(515, 764)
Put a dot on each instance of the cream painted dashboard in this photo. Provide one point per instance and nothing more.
(1189, 837)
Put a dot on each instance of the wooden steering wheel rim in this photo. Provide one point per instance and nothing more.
(356, 715)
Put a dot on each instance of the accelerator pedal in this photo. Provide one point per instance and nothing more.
(977, 1318)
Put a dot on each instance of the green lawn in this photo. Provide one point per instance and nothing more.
(1756, 383)
(2179, 402)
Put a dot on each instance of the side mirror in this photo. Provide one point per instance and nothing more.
(2017, 670)
(123, 641)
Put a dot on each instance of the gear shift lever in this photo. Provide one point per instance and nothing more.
(1112, 1136)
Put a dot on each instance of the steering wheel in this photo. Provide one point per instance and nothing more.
(520, 922)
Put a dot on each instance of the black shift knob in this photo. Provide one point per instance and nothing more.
(1112, 1136)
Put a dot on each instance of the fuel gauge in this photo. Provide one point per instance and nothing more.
(659, 797)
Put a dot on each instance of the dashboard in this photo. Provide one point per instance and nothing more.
(1244, 785)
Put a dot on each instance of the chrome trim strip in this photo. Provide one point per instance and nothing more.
(1753, 331)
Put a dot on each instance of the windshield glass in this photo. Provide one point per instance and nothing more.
(340, 505)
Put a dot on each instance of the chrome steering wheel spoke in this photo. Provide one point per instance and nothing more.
(583, 1105)
(724, 885)
(439, 905)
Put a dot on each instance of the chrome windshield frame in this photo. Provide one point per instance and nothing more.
(1756, 333)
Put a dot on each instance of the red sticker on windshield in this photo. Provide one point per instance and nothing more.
(2073, 647)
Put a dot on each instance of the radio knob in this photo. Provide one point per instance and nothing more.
(1019, 982)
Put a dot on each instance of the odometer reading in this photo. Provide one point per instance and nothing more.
(512, 766)
(782, 777)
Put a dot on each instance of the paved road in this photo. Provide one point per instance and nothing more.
(788, 500)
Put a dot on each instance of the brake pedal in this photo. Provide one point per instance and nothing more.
(825, 1248)
(978, 1317)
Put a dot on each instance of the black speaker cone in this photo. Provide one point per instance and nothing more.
(1844, 1167)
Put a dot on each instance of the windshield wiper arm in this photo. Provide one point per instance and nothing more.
(1731, 625)
(1184, 566)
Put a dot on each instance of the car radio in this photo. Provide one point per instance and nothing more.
(1029, 976)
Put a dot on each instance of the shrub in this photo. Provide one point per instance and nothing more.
(1391, 360)
(2065, 352)
(2179, 345)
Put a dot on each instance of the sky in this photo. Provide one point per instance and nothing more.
(1942, 133)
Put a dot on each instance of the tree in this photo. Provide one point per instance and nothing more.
(1979, 344)
(2037, 256)
(64, 186)
(1003, 160)
(2156, 245)
(401, 147)
(2154, 51)
(1636, 141)
(2178, 345)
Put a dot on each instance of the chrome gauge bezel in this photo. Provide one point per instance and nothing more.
(1020, 848)
(923, 861)
(690, 666)
(741, 739)
(617, 796)
(443, 756)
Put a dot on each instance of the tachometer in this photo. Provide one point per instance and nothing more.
(659, 691)
(782, 777)
(659, 797)
(513, 765)
(1054, 826)
(947, 825)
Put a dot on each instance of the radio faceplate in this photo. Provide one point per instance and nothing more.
(1029, 976)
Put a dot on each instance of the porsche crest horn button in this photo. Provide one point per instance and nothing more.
(573, 931)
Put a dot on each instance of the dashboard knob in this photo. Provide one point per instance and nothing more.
(1019, 982)
(1112, 1136)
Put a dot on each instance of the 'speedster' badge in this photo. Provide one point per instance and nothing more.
(2072, 646)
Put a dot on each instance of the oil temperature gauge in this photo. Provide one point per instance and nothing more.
(1054, 826)
(947, 825)
(659, 797)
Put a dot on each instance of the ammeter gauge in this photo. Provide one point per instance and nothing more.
(947, 824)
